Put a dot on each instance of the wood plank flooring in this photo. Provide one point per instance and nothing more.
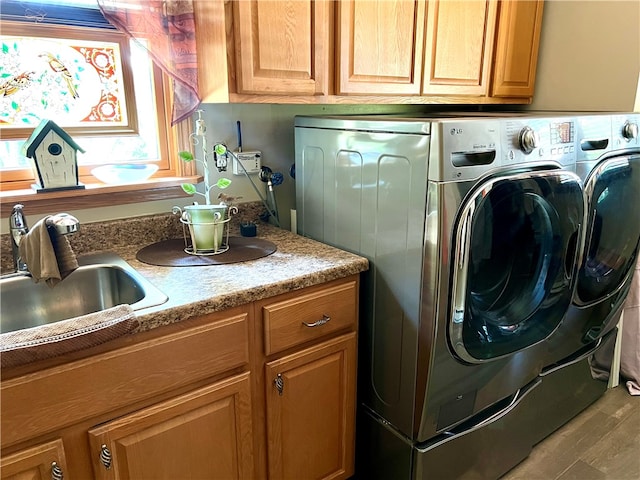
(601, 443)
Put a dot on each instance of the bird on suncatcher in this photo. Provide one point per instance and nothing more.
(227, 199)
(59, 67)
(13, 84)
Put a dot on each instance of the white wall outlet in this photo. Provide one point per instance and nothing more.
(252, 162)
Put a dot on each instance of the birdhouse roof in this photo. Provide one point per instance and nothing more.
(40, 132)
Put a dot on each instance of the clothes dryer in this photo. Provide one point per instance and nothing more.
(608, 163)
(580, 352)
(471, 226)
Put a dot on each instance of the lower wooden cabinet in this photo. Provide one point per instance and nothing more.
(202, 434)
(309, 380)
(41, 462)
(311, 411)
(265, 390)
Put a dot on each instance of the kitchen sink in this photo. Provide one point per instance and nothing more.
(102, 281)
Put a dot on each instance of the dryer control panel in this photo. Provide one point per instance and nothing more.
(625, 131)
(526, 140)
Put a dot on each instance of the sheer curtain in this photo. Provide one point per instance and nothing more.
(167, 28)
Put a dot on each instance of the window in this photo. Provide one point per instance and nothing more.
(144, 137)
(83, 81)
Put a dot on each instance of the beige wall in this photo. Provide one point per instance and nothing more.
(589, 55)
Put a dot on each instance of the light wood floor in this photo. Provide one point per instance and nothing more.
(601, 443)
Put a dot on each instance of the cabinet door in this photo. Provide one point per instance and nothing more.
(42, 462)
(213, 82)
(282, 46)
(459, 43)
(202, 434)
(516, 53)
(380, 47)
(311, 411)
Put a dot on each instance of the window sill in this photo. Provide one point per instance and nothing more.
(95, 195)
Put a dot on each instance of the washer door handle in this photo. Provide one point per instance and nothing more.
(459, 286)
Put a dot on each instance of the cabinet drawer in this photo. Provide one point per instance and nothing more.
(300, 318)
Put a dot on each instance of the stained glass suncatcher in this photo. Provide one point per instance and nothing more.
(80, 83)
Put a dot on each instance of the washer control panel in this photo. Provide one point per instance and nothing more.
(529, 140)
(464, 149)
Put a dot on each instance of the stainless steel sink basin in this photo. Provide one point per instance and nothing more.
(103, 280)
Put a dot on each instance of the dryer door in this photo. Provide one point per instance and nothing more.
(515, 258)
(612, 237)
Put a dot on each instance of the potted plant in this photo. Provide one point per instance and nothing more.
(206, 222)
(190, 188)
(219, 150)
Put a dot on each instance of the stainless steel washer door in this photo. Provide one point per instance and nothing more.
(613, 196)
(515, 257)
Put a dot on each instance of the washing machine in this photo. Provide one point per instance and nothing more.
(472, 228)
(580, 352)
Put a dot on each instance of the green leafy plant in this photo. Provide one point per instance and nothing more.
(190, 188)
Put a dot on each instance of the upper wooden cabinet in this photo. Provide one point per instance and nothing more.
(379, 47)
(516, 51)
(458, 47)
(282, 47)
(366, 51)
(213, 82)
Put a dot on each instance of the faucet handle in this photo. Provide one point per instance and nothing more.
(63, 223)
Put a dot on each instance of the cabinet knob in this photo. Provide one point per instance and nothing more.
(318, 323)
(105, 456)
(279, 383)
(56, 472)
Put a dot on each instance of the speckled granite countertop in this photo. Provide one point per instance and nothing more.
(298, 262)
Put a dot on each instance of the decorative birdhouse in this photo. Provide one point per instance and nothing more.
(53, 153)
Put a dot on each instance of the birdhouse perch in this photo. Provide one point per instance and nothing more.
(54, 158)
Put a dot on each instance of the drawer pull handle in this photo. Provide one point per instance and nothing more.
(319, 323)
(279, 383)
(105, 457)
(56, 472)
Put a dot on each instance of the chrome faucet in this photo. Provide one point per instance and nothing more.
(17, 228)
(61, 223)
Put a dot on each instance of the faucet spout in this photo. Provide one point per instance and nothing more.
(17, 228)
(63, 223)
